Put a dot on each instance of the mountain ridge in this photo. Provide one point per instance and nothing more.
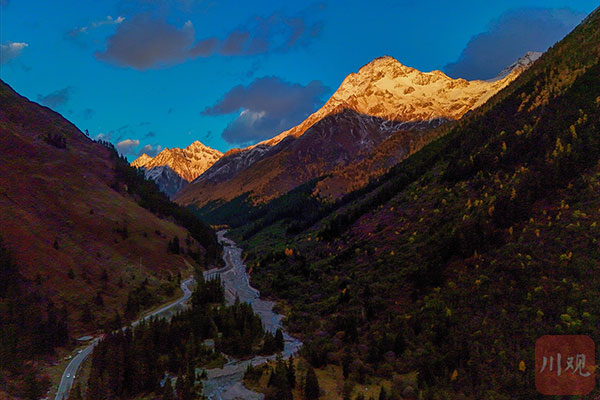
(404, 99)
(356, 82)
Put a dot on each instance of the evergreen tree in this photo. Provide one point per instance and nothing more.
(291, 372)
(185, 388)
(279, 382)
(399, 344)
(311, 385)
(346, 360)
(383, 394)
(271, 377)
(279, 343)
(268, 343)
(98, 299)
(173, 246)
(180, 388)
(127, 364)
(347, 390)
(86, 315)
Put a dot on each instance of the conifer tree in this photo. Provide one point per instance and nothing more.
(279, 343)
(311, 385)
(383, 394)
(291, 372)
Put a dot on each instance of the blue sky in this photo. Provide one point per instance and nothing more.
(149, 74)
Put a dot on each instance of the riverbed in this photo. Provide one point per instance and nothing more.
(227, 383)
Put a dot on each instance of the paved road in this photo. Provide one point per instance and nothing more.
(227, 383)
(66, 382)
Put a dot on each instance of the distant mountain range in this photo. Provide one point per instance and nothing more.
(385, 99)
(172, 169)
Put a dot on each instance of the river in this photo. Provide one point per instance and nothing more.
(227, 383)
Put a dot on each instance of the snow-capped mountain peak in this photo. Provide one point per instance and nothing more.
(187, 164)
(141, 161)
(385, 88)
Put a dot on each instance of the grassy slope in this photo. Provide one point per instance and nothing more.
(60, 213)
(460, 247)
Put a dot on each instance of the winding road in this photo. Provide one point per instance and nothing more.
(227, 383)
(68, 376)
(221, 383)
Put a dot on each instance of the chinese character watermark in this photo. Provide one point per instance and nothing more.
(578, 368)
(565, 365)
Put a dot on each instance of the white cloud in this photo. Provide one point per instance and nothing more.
(11, 50)
(127, 146)
(96, 24)
(149, 150)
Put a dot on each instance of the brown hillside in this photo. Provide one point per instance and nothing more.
(59, 213)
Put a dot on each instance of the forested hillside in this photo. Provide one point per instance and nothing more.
(445, 265)
(84, 238)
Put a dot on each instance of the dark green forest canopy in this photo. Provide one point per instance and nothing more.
(134, 361)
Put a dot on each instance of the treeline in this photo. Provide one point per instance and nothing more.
(233, 213)
(135, 361)
(30, 326)
(297, 210)
(151, 198)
